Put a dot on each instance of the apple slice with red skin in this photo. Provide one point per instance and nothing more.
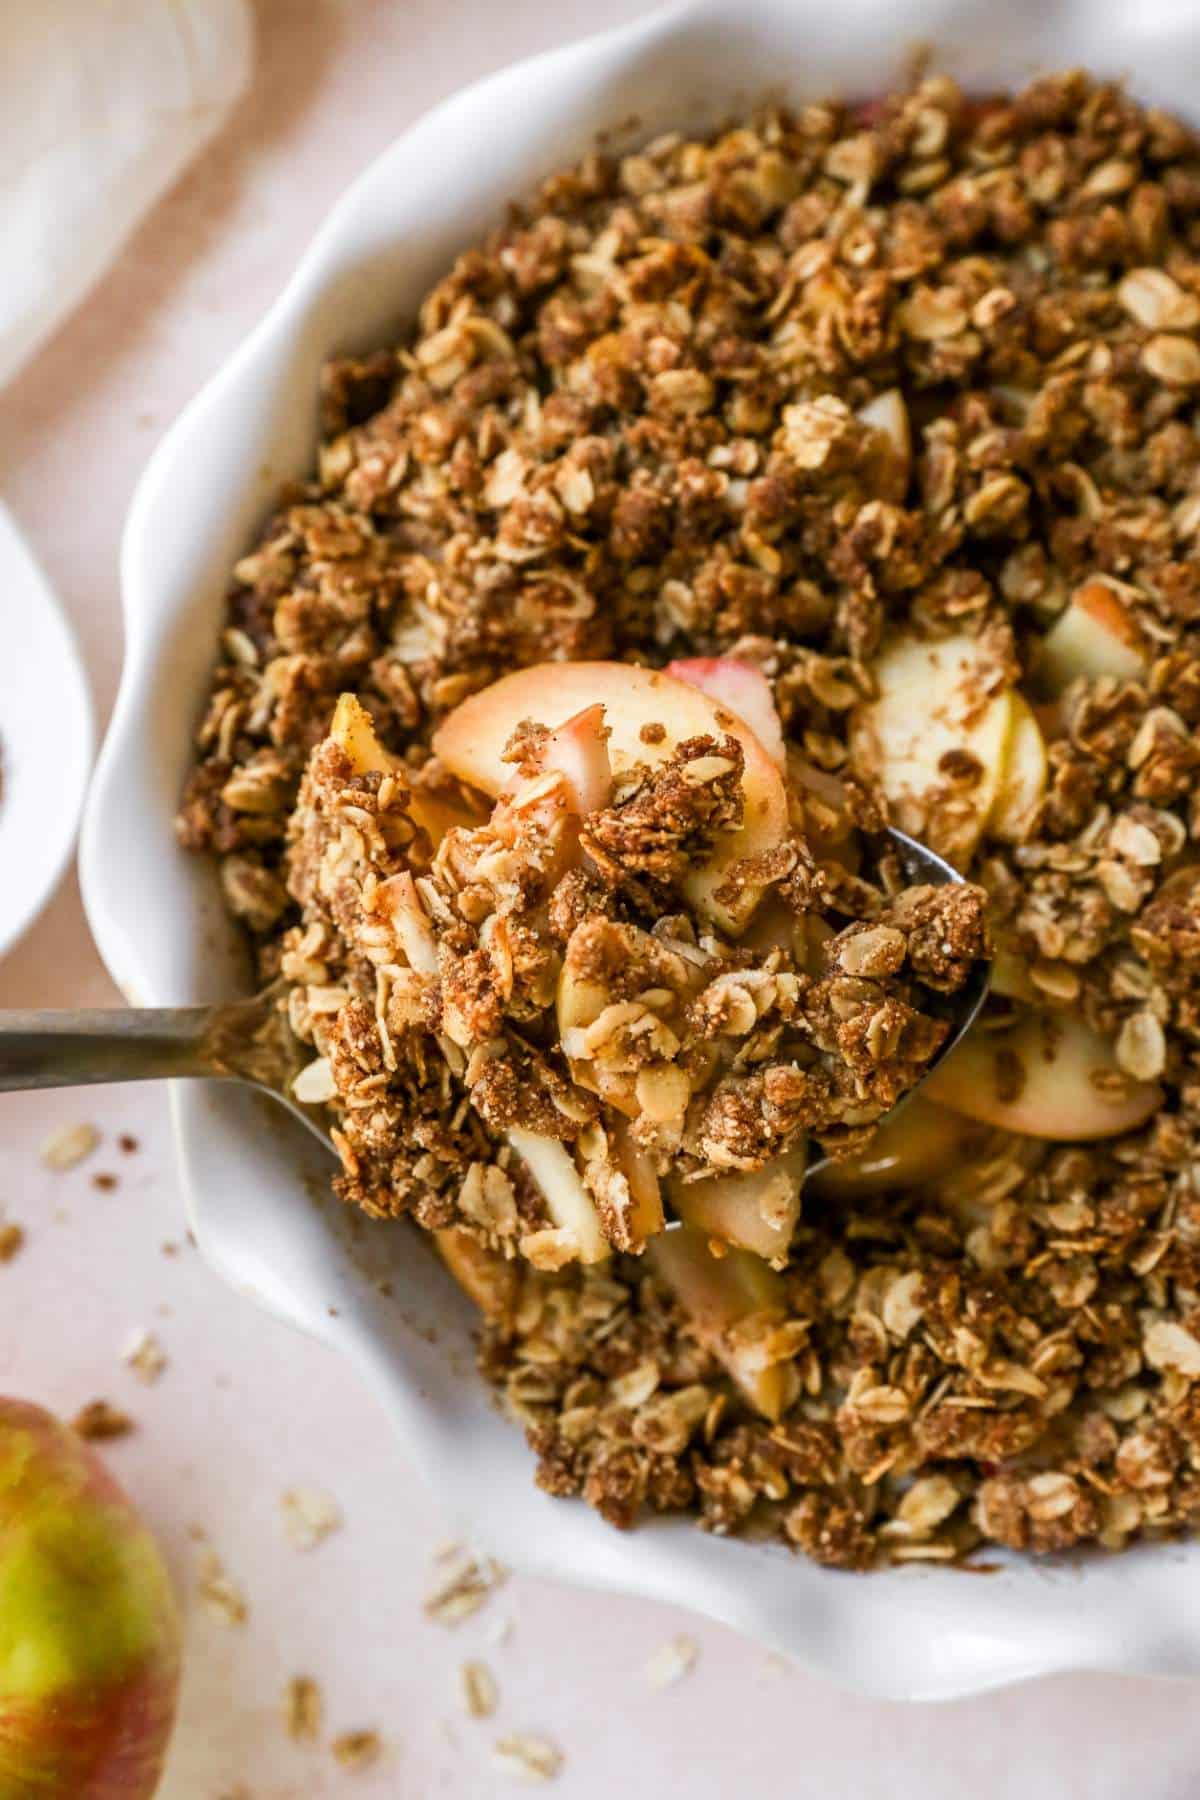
(578, 752)
(1096, 635)
(743, 688)
(755, 1210)
(1036, 1078)
(89, 1630)
(647, 714)
(719, 1294)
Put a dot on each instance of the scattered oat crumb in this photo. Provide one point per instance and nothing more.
(529, 1758)
(498, 1630)
(98, 1422)
(220, 1593)
(478, 1687)
(69, 1145)
(447, 1550)
(357, 1749)
(309, 1515)
(105, 1181)
(145, 1355)
(127, 1142)
(170, 1248)
(774, 1665)
(671, 1662)
(466, 1585)
(302, 1709)
(12, 1239)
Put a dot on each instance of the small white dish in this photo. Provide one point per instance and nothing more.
(257, 1193)
(46, 737)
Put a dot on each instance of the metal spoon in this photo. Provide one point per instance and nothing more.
(246, 1040)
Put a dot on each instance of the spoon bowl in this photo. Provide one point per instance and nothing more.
(249, 1041)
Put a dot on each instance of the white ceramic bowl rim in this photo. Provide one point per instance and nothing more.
(910, 1633)
(46, 736)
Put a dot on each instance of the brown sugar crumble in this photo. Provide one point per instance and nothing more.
(100, 1422)
(893, 408)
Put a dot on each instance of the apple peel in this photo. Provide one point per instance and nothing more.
(90, 1632)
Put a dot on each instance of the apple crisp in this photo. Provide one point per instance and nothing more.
(738, 495)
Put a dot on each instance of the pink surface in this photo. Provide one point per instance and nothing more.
(245, 1408)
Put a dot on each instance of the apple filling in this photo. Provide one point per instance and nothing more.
(617, 944)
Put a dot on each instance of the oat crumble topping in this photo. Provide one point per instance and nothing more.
(894, 406)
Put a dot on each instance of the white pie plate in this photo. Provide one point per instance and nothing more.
(46, 737)
(254, 1185)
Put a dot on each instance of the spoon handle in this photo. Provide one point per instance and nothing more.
(72, 1049)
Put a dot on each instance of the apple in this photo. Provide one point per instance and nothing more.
(568, 1202)
(721, 1297)
(89, 1629)
(645, 1218)
(488, 1278)
(888, 414)
(353, 731)
(1022, 778)
(578, 751)
(1036, 1078)
(915, 1143)
(937, 697)
(754, 1211)
(400, 904)
(1010, 973)
(743, 688)
(647, 715)
(1096, 635)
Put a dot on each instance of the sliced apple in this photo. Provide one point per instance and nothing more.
(824, 811)
(399, 902)
(755, 1211)
(1022, 778)
(646, 1217)
(1010, 974)
(915, 1144)
(490, 1280)
(647, 714)
(353, 730)
(937, 698)
(1038, 1079)
(719, 1295)
(888, 414)
(568, 1202)
(578, 751)
(437, 814)
(1096, 635)
(743, 688)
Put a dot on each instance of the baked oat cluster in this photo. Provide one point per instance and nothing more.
(873, 429)
(546, 1021)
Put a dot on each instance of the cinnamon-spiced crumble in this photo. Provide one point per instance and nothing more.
(886, 414)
